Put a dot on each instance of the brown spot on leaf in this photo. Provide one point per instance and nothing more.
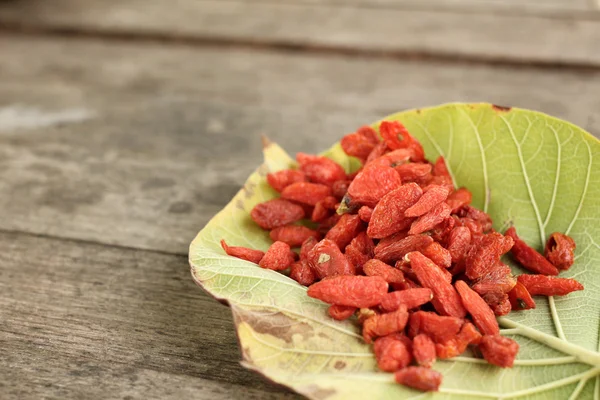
(239, 204)
(316, 392)
(500, 108)
(339, 365)
(277, 325)
(418, 111)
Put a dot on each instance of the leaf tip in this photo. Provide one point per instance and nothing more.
(266, 142)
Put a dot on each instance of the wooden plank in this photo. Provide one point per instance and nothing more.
(91, 321)
(138, 145)
(488, 34)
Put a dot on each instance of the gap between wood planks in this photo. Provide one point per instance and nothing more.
(77, 33)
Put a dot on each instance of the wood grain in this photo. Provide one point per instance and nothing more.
(483, 33)
(139, 145)
(91, 321)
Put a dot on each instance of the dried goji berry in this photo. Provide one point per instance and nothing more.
(306, 247)
(410, 298)
(319, 169)
(385, 324)
(392, 159)
(441, 231)
(414, 172)
(498, 302)
(340, 313)
(440, 168)
(528, 257)
(360, 250)
(439, 255)
(306, 192)
(388, 215)
(361, 143)
(520, 298)
(482, 314)
(454, 347)
(483, 218)
(446, 300)
(293, 235)
(379, 150)
(441, 180)
(302, 273)
(426, 222)
(448, 349)
(276, 212)
(420, 378)
(469, 334)
(278, 257)
(365, 213)
(560, 250)
(498, 280)
(459, 198)
(474, 226)
(378, 268)
(350, 290)
(280, 179)
(397, 137)
(458, 243)
(499, 350)
(345, 230)
(340, 188)
(431, 198)
(424, 350)
(440, 328)
(372, 183)
(548, 285)
(320, 213)
(243, 252)
(486, 255)
(325, 225)
(391, 353)
(326, 259)
(395, 248)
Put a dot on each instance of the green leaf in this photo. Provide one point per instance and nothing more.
(524, 167)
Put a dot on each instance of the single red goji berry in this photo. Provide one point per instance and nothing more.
(293, 235)
(365, 213)
(395, 248)
(428, 221)
(431, 198)
(372, 183)
(360, 250)
(528, 257)
(319, 169)
(439, 255)
(388, 215)
(483, 257)
(385, 324)
(410, 298)
(302, 273)
(473, 226)
(340, 313)
(482, 217)
(560, 250)
(440, 180)
(278, 257)
(498, 302)
(350, 290)
(499, 350)
(325, 225)
(498, 279)
(320, 213)
(440, 328)
(306, 247)
(243, 252)
(397, 137)
(281, 179)
(406, 285)
(459, 198)
(446, 300)
(424, 350)
(361, 143)
(448, 349)
(378, 268)
(306, 192)
(379, 150)
(414, 172)
(326, 259)
(345, 230)
(520, 298)
(420, 378)
(340, 188)
(392, 159)
(276, 212)
(458, 243)
(391, 353)
(482, 314)
(469, 334)
(440, 168)
(441, 232)
(548, 285)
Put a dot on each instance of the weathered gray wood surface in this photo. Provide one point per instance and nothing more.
(544, 32)
(125, 144)
(90, 321)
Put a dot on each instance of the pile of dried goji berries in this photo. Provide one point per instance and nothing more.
(397, 246)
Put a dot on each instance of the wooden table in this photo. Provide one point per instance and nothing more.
(124, 126)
